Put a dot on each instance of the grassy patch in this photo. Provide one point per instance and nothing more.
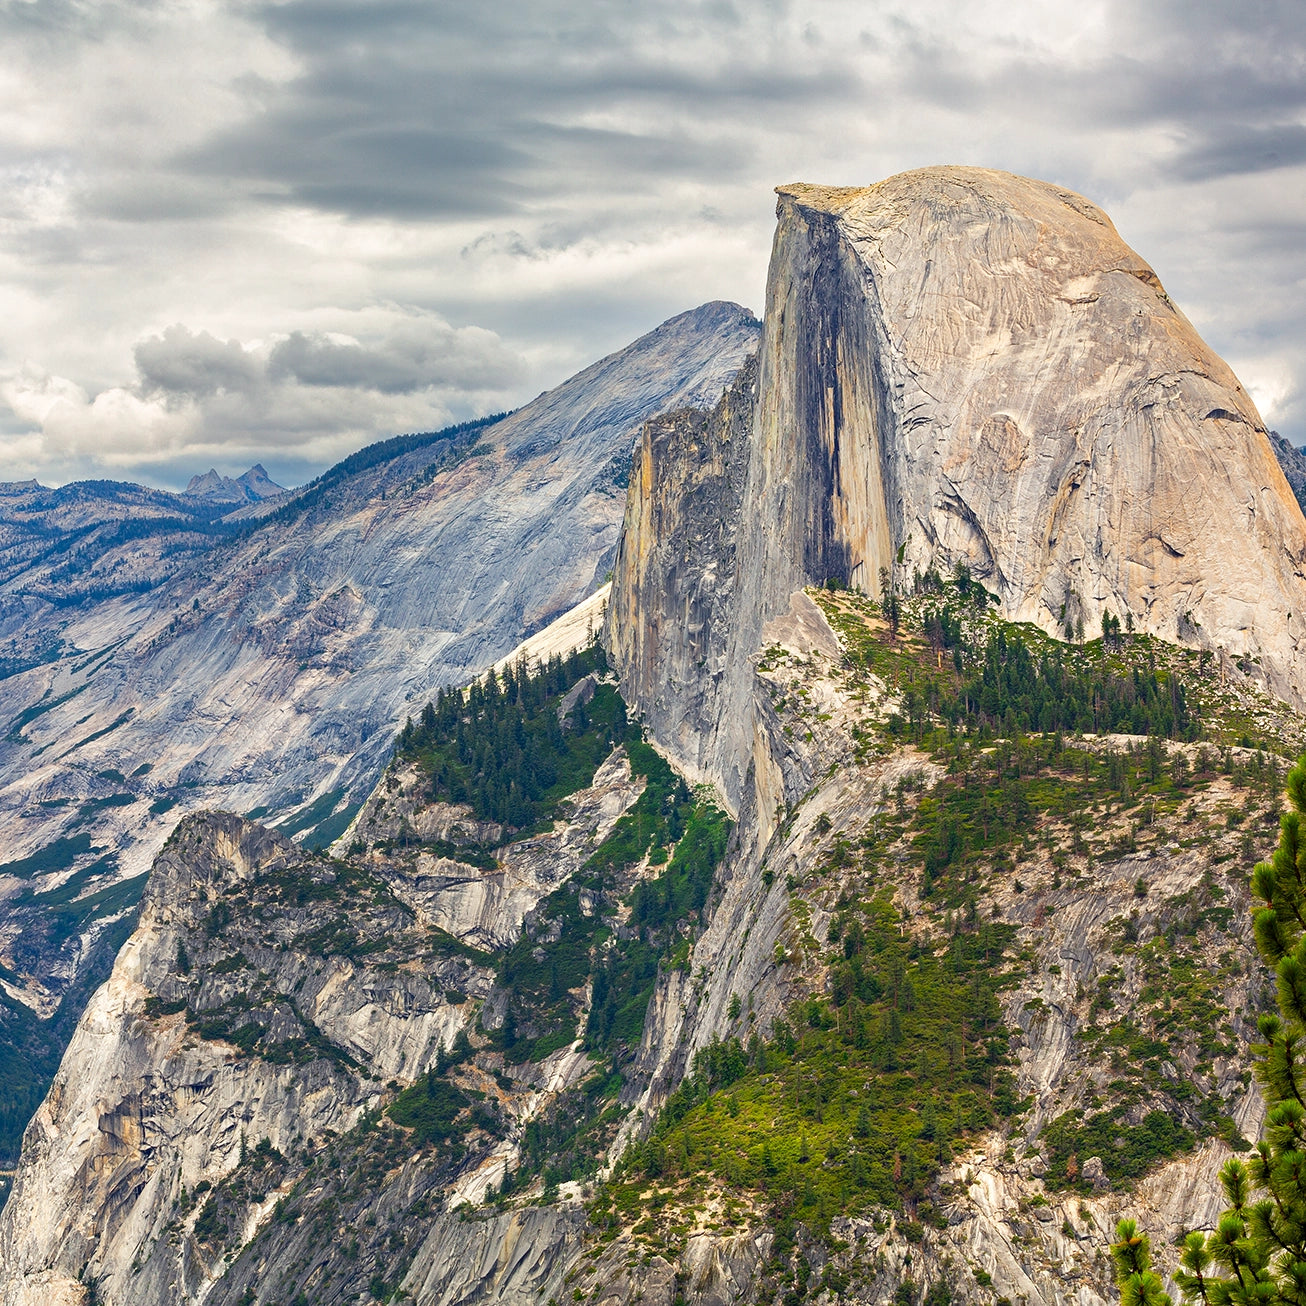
(56, 856)
(1126, 1151)
(14, 734)
(543, 978)
(313, 815)
(855, 1101)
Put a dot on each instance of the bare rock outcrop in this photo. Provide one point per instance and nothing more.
(963, 366)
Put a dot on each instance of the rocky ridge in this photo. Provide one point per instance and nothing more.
(266, 673)
(252, 486)
(341, 974)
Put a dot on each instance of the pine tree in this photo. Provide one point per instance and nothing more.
(1256, 1255)
(1140, 1285)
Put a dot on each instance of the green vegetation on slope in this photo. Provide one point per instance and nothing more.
(576, 939)
(56, 856)
(856, 1100)
(961, 670)
(1256, 1255)
(571, 941)
(827, 1117)
(501, 748)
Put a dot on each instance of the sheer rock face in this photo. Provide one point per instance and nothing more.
(901, 320)
(141, 1108)
(1005, 382)
(677, 565)
(960, 365)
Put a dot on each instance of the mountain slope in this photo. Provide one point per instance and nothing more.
(86, 543)
(269, 673)
(832, 1070)
(1293, 463)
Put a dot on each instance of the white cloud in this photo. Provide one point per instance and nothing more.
(309, 395)
(1273, 386)
(407, 213)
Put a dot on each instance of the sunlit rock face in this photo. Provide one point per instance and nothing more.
(963, 366)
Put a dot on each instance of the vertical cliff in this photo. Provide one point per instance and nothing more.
(1056, 422)
(962, 366)
(677, 559)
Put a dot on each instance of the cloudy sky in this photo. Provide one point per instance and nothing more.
(275, 231)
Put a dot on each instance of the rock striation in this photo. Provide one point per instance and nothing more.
(1293, 462)
(352, 975)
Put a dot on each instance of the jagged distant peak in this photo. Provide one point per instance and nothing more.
(257, 480)
(210, 480)
(250, 486)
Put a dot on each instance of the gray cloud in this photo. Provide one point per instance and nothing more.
(1241, 148)
(414, 357)
(183, 364)
(295, 402)
(413, 354)
(479, 110)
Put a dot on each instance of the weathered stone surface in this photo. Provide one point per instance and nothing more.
(145, 1108)
(668, 620)
(1008, 384)
(959, 365)
(142, 1108)
(270, 672)
(486, 907)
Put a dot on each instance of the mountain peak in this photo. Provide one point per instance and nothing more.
(251, 486)
(987, 412)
